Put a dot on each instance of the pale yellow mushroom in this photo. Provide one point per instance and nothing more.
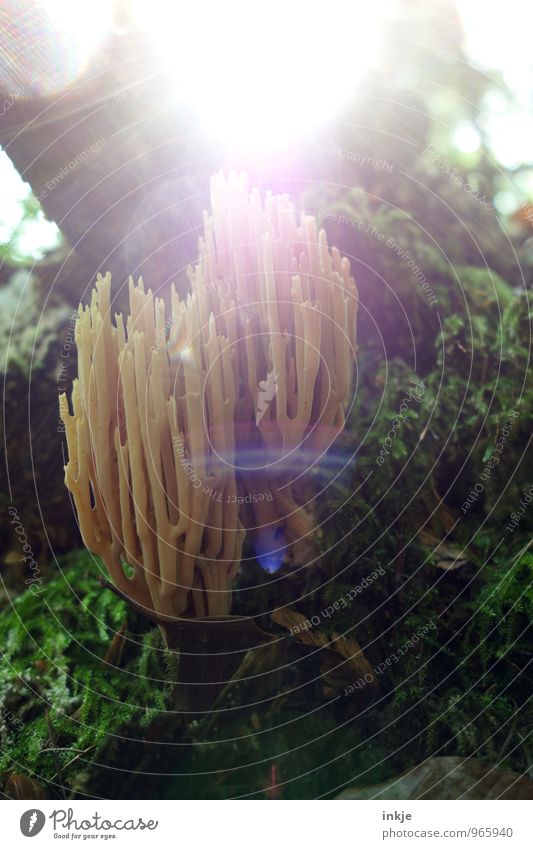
(288, 306)
(256, 360)
(143, 468)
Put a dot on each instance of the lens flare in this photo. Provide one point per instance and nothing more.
(261, 74)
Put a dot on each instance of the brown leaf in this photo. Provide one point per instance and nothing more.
(524, 215)
(115, 650)
(298, 625)
(446, 516)
(449, 778)
(19, 786)
(11, 557)
(447, 556)
(450, 564)
(343, 662)
(443, 516)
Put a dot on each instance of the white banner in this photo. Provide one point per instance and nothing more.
(217, 824)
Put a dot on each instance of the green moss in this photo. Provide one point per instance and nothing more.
(68, 705)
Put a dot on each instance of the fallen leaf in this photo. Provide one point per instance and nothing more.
(450, 564)
(114, 653)
(449, 778)
(448, 557)
(524, 215)
(20, 786)
(444, 514)
(342, 663)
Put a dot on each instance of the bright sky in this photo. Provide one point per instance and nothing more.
(498, 37)
(35, 236)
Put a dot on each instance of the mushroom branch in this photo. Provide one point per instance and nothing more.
(186, 431)
(288, 306)
(144, 440)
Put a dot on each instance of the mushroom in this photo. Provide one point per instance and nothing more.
(151, 454)
(186, 431)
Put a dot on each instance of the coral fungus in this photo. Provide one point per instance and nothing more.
(186, 432)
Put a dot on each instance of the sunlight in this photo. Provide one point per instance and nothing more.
(259, 74)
